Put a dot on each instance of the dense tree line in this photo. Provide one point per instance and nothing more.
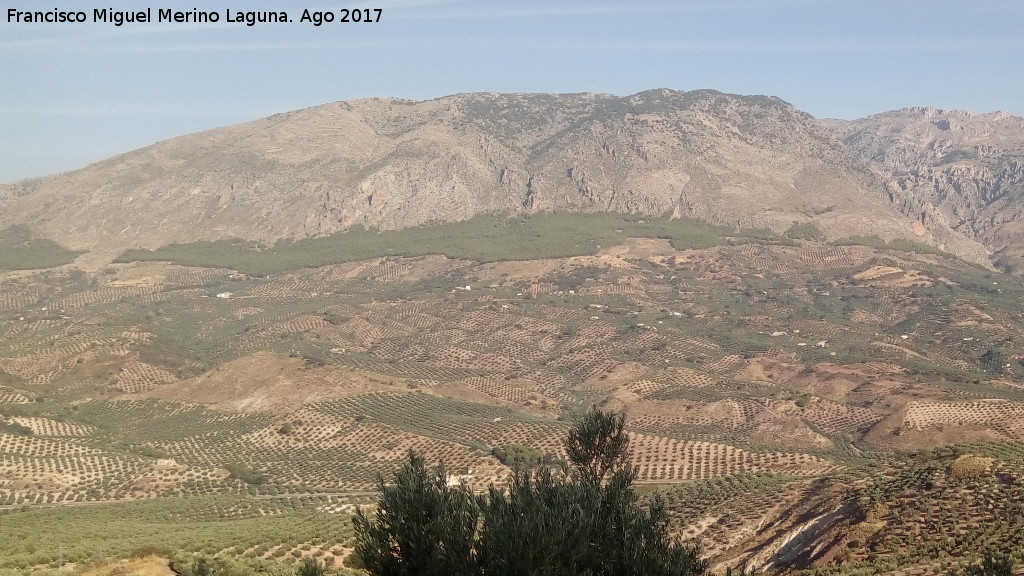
(582, 520)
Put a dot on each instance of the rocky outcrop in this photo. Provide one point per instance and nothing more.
(949, 169)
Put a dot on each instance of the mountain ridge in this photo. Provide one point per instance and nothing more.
(749, 161)
(950, 168)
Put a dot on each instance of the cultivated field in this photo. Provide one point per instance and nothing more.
(251, 406)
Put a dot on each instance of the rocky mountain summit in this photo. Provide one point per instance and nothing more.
(950, 168)
(947, 179)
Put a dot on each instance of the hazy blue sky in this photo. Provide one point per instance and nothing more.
(71, 94)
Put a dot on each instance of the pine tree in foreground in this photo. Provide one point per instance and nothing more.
(582, 521)
(423, 527)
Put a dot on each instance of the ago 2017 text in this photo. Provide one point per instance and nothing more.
(345, 15)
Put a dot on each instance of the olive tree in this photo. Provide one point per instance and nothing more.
(582, 520)
(423, 526)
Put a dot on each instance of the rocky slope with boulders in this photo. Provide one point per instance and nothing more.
(950, 169)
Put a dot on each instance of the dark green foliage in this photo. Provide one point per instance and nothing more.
(993, 564)
(482, 239)
(904, 245)
(422, 527)
(15, 428)
(201, 567)
(518, 457)
(245, 474)
(741, 571)
(354, 561)
(992, 361)
(193, 566)
(956, 156)
(900, 244)
(804, 231)
(311, 567)
(152, 452)
(597, 444)
(872, 241)
(573, 279)
(20, 251)
(556, 525)
(584, 520)
(760, 234)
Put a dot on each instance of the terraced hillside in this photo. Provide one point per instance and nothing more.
(768, 381)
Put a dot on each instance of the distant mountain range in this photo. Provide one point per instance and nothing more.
(953, 179)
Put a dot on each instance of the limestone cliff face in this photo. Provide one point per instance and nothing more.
(752, 161)
(954, 169)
